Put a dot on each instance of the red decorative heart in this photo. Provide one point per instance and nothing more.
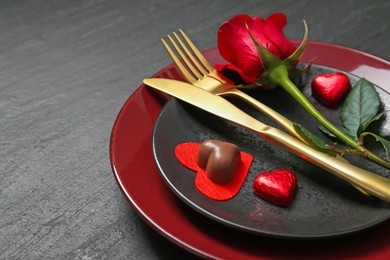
(278, 186)
(331, 89)
(187, 154)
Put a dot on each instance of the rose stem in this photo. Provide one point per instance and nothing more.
(279, 75)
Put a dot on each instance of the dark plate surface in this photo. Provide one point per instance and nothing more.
(138, 178)
(324, 205)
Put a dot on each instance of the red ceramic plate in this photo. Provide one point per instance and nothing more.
(138, 178)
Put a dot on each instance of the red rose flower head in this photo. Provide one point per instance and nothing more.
(236, 45)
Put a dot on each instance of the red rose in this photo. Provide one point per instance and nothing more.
(237, 47)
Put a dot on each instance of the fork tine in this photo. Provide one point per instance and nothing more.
(190, 55)
(184, 58)
(198, 54)
(190, 78)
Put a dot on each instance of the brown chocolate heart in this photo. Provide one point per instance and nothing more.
(219, 159)
(187, 153)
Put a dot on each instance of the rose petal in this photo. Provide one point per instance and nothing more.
(273, 30)
(279, 19)
(237, 47)
(234, 74)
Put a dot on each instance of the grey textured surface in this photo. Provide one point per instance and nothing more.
(67, 67)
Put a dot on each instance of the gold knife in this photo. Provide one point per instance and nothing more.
(367, 181)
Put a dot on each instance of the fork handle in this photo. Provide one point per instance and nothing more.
(369, 182)
(278, 118)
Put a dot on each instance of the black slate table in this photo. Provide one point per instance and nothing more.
(67, 67)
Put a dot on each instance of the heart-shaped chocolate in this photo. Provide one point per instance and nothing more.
(187, 154)
(331, 89)
(278, 186)
(219, 159)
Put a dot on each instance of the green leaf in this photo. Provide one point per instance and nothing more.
(384, 142)
(367, 123)
(360, 107)
(313, 140)
(326, 131)
(268, 59)
(330, 134)
(300, 50)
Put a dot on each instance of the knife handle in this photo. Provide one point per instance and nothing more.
(367, 181)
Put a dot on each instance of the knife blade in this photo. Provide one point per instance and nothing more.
(367, 181)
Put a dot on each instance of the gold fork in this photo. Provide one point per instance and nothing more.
(199, 72)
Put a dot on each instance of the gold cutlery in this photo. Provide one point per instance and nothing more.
(369, 182)
(199, 72)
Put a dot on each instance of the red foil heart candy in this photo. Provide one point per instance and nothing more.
(187, 154)
(277, 187)
(331, 89)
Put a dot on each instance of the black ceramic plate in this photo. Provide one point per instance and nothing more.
(324, 204)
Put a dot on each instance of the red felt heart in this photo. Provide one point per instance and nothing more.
(331, 89)
(278, 186)
(187, 154)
